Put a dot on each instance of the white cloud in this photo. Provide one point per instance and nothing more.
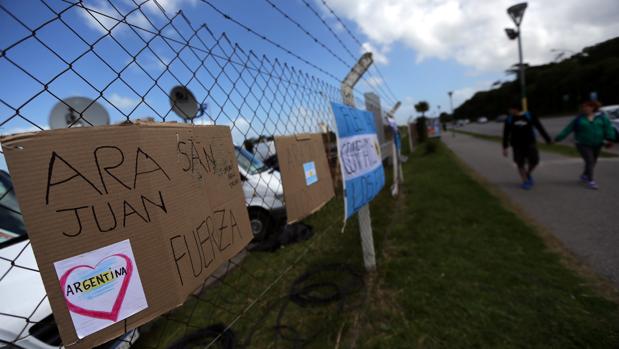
(374, 81)
(170, 6)
(22, 129)
(102, 16)
(406, 110)
(204, 120)
(379, 55)
(97, 16)
(472, 31)
(122, 102)
(338, 27)
(461, 95)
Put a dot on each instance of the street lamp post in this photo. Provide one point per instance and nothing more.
(451, 106)
(516, 13)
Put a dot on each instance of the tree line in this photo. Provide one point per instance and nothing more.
(555, 88)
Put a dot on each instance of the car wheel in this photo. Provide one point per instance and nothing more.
(260, 222)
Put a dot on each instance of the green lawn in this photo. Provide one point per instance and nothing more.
(455, 270)
(557, 148)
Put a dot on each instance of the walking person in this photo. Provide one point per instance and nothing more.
(518, 131)
(592, 129)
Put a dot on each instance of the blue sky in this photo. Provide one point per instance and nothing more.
(423, 49)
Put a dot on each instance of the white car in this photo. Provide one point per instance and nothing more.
(25, 314)
(612, 111)
(263, 191)
(613, 114)
(482, 120)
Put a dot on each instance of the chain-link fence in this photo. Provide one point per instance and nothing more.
(126, 56)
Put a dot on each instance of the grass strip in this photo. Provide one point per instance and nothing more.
(455, 270)
(561, 149)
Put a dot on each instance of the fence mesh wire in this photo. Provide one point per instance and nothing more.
(127, 56)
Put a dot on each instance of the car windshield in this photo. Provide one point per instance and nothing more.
(12, 227)
(249, 162)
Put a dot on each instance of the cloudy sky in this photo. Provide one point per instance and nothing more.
(422, 48)
(468, 35)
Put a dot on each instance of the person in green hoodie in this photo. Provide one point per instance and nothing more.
(592, 129)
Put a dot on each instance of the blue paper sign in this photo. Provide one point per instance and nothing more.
(359, 156)
(310, 173)
(395, 131)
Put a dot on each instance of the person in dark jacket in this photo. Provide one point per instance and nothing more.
(519, 133)
(592, 129)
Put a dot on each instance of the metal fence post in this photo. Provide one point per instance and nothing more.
(411, 146)
(395, 188)
(365, 221)
(395, 156)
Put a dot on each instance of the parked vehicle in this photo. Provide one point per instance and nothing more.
(501, 118)
(264, 193)
(25, 313)
(265, 150)
(612, 111)
(482, 120)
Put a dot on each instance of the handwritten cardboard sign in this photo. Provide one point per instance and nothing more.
(173, 192)
(359, 156)
(305, 174)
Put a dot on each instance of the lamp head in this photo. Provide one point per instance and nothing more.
(516, 12)
(512, 34)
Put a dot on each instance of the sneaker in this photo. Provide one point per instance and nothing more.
(530, 181)
(584, 179)
(525, 185)
(593, 185)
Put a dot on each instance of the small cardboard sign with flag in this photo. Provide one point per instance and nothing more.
(305, 174)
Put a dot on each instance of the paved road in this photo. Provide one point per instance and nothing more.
(584, 220)
(552, 125)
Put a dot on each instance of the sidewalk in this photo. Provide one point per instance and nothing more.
(584, 220)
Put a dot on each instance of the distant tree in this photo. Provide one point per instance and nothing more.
(422, 129)
(444, 117)
(422, 107)
(554, 88)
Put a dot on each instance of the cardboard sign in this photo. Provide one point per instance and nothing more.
(172, 191)
(101, 287)
(305, 174)
(359, 156)
(433, 127)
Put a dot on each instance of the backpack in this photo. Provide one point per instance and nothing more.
(580, 116)
(527, 115)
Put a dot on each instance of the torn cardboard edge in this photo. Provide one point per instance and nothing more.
(197, 218)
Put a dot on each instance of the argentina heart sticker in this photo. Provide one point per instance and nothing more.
(101, 287)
